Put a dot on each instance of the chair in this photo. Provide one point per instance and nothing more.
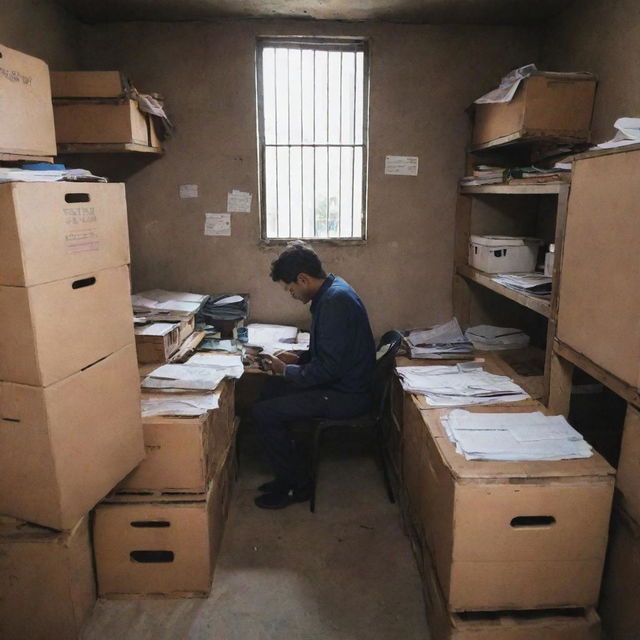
(372, 420)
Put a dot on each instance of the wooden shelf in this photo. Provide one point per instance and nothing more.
(539, 305)
(516, 189)
(15, 157)
(596, 153)
(529, 138)
(112, 147)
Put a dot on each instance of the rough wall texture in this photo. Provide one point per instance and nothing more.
(42, 29)
(422, 78)
(600, 36)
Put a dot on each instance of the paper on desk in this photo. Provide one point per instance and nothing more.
(182, 376)
(162, 295)
(229, 365)
(239, 202)
(183, 404)
(260, 334)
(155, 329)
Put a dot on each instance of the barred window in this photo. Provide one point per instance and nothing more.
(312, 122)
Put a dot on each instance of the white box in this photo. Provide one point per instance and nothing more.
(503, 254)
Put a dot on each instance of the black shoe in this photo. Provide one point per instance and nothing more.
(269, 487)
(280, 500)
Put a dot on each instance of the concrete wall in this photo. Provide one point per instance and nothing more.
(600, 36)
(422, 78)
(40, 28)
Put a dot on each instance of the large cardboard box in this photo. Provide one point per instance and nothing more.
(163, 547)
(621, 584)
(47, 586)
(569, 624)
(88, 84)
(64, 447)
(26, 112)
(53, 330)
(157, 342)
(52, 231)
(544, 105)
(183, 454)
(98, 122)
(512, 535)
(628, 477)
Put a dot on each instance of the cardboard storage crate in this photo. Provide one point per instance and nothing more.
(53, 330)
(548, 105)
(628, 477)
(555, 624)
(64, 447)
(47, 586)
(162, 547)
(26, 112)
(621, 583)
(88, 84)
(52, 231)
(512, 535)
(157, 342)
(183, 454)
(90, 122)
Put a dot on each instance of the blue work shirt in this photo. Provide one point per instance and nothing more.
(342, 352)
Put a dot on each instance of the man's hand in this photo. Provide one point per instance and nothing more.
(287, 357)
(275, 364)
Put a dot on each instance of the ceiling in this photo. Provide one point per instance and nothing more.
(410, 11)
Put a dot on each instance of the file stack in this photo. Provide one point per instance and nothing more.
(508, 549)
(69, 394)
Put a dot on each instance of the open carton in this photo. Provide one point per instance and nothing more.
(47, 587)
(52, 231)
(64, 447)
(510, 535)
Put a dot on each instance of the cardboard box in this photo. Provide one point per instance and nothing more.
(157, 342)
(545, 105)
(558, 624)
(47, 587)
(64, 447)
(88, 84)
(166, 547)
(628, 477)
(512, 535)
(52, 231)
(26, 112)
(98, 122)
(53, 330)
(183, 454)
(621, 583)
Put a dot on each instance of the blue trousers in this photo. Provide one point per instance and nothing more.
(281, 403)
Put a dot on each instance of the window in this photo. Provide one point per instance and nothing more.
(312, 122)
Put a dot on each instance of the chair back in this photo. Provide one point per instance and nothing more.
(383, 370)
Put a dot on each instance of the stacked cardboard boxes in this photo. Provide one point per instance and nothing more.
(495, 537)
(159, 533)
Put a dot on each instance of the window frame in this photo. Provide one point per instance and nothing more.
(351, 44)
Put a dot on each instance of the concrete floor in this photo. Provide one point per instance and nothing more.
(343, 573)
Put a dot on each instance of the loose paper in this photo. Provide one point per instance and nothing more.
(239, 202)
(188, 191)
(217, 224)
(401, 166)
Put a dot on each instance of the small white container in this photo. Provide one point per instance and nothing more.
(549, 259)
(503, 254)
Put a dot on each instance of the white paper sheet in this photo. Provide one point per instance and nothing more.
(155, 329)
(217, 224)
(229, 365)
(179, 404)
(239, 202)
(188, 191)
(181, 376)
(401, 165)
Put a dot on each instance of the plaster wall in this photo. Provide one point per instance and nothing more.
(40, 28)
(422, 79)
(600, 36)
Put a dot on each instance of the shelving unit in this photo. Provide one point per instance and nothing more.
(510, 209)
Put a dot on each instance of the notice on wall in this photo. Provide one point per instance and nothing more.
(217, 224)
(401, 165)
(239, 202)
(188, 191)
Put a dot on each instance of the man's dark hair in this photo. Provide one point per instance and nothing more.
(297, 258)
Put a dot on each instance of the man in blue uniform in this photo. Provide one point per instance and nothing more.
(332, 380)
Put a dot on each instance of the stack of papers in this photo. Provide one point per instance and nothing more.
(627, 132)
(155, 329)
(172, 305)
(459, 385)
(439, 342)
(484, 174)
(487, 338)
(178, 404)
(184, 377)
(228, 365)
(10, 174)
(275, 337)
(535, 284)
(514, 436)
